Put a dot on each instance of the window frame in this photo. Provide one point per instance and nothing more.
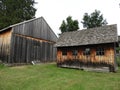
(100, 51)
(75, 52)
(64, 52)
(87, 51)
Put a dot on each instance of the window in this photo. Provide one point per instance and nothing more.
(100, 51)
(64, 52)
(74, 52)
(86, 51)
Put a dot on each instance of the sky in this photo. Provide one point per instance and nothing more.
(55, 11)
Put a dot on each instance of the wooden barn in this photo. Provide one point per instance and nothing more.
(91, 49)
(31, 40)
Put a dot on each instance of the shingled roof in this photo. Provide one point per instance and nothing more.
(99, 35)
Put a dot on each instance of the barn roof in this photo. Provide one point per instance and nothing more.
(99, 35)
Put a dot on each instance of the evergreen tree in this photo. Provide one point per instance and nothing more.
(69, 25)
(95, 19)
(15, 11)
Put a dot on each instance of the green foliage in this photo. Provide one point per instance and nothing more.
(50, 77)
(118, 56)
(15, 11)
(69, 25)
(118, 60)
(95, 19)
(118, 48)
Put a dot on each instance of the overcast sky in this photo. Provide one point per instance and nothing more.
(54, 11)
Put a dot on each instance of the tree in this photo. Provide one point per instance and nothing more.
(69, 25)
(95, 19)
(15, 11)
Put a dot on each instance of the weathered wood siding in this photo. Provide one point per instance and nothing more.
(32, 41)
(37, 28)
(5, 38)
(27, 49)
(92, 60)
(28, 41)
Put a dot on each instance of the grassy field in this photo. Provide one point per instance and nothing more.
(50, 77)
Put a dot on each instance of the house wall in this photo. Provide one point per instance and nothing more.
(92, 60)
(5, 39)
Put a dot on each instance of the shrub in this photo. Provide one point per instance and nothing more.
(118, 60)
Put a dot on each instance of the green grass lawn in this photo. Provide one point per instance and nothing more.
(50, 77)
